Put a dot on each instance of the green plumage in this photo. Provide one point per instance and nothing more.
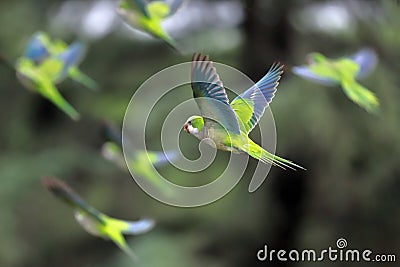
(46, 63)
(58, 46)
(344, 72)
(147, 17)
(40, 79)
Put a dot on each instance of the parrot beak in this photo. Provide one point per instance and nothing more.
(185, 128)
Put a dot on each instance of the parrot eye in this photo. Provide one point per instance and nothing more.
(190, 122)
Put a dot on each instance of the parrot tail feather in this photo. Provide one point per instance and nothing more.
(128, 252)
(116, 228)
(283, 162)
(263, 155)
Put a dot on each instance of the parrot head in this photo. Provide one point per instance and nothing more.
(193, 125)
(315, 58)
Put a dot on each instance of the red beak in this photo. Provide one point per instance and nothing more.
(185, 127)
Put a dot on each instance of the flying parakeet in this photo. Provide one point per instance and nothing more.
(141, 162)
(42, 77)
(95, 222)
(147, 16)
(344, 72)
(228, 125)
(41, 46)
(46, 63)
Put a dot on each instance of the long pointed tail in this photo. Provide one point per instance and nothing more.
(116, 228)
(128, 251)
(361, 95)
(263, 155)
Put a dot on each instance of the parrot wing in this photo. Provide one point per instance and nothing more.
(250, 105)
(366, 59)
(62, 191)
(132, 227)
(36, 49)
(159, 158)
(70, 58)
(210, 94)
(306, 73)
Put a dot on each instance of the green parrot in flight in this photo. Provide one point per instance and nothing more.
(95, 222)
(41, 46)
(147, 16)
(46, 63)
(141, 163)
(227, 125)
(345, 71)
(42, 77)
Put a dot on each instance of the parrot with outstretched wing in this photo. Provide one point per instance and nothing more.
(41, 46)
(42, 77)
(346, 72)
(228, 125)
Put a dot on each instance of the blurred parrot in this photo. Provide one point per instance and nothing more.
(46, 63)
(95, 222)
(343, 71)
(142, 161)
(42, 76)
(41, 47)
(228, 125)
(147, 16)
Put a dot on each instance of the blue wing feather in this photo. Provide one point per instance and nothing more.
(306, 73)
(210, 94)
(36, 49)
(163, 158)
(139, 227)
(262, 92)
(366, 59)
(71, 57)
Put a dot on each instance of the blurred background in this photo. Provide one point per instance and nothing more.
(351, 188)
